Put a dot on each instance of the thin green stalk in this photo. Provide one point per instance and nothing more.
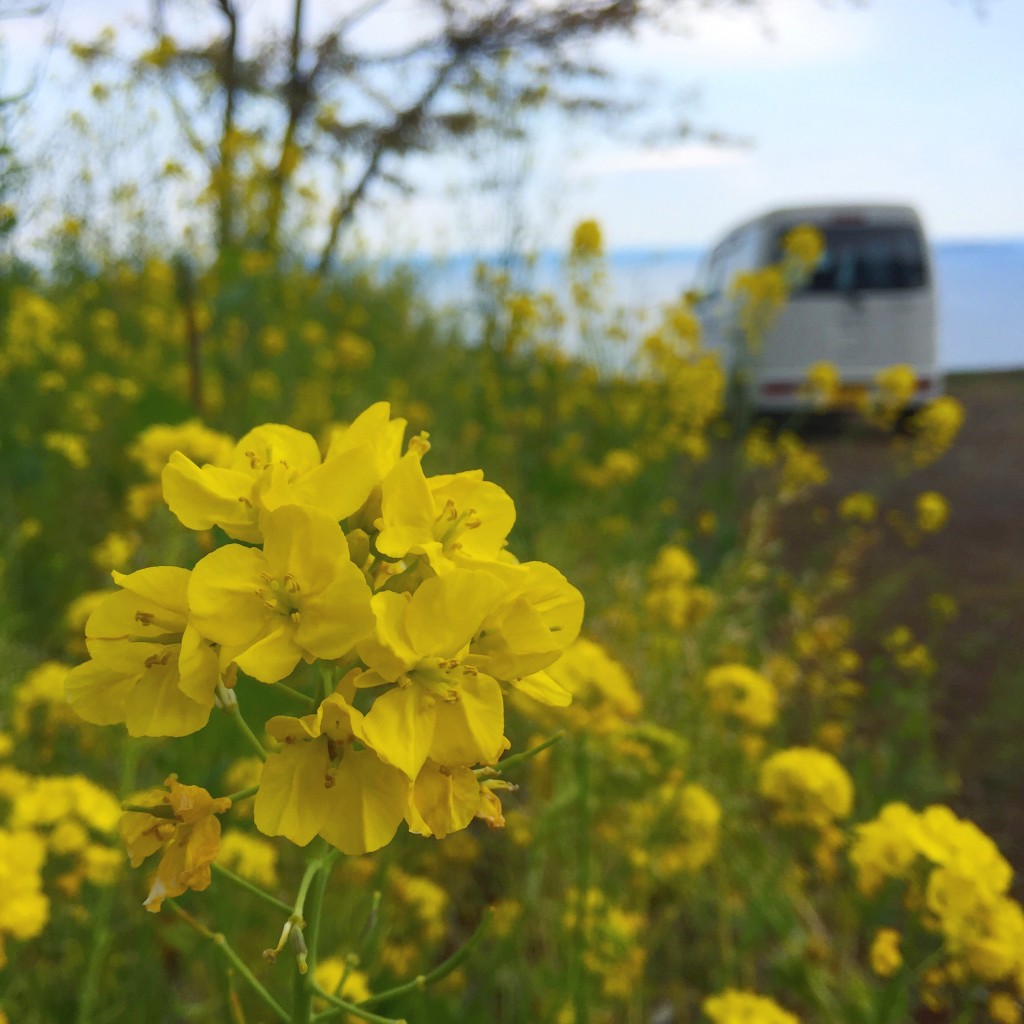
(303, 986)
(234, 1003)
(243, 794)
(443, 969)
(230, 704)
(581, 991)
(222, 944)
(517, 760)
(317, 906)
(244, 883)
(156, 811)
(296, 694)
(341, 1008)
(102, 932)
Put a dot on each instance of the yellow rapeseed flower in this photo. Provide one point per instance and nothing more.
(24, 909)
(183, 827)
(737, 1007)
(299, 597)
(150, 668)
(739, 692)
(807, 786)
(884, 954)
(932, 511)
(317, 783)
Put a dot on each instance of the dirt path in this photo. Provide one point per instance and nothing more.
(978, 559)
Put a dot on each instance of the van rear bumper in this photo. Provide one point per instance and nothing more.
(790, 393)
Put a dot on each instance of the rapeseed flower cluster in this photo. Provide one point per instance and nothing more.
(806, 786)
(674, 599)
(604, 697)
(822, 383)
(612, 951)
(739, 693)
(55, 836)
(955, 884)
(675, 829)
(799, 468)
(734, 1006)
(895, 387)
(859, 507)
(934, 428)
(25, 908)
(932, 511)
(399, 584)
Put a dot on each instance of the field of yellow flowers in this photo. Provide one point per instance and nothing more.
(354, 670)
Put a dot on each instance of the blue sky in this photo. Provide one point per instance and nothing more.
(916, 100)
(904, 100)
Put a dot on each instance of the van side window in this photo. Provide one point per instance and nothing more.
(865, 258)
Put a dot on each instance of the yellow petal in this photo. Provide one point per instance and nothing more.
(373, 427)
(407, 508)
(123, 615)
(276, 443)
(492, 508)
(166, 586)
(211, 496)
(400, 727)
(98, 693)
(199, 667)
(366, 804)
(470, 730)
(335, 620)
(286, 729)
(389, 651)
(446, 798)
(339, 487)
(293, 798)
(140, 832)
(446, 611)
(157, 707)
(272, 657)
(541, 687)
(222, 595)
(305, 543)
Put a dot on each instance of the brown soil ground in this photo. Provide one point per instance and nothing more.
(978, 558)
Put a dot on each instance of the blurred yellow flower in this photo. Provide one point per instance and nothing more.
(183, 827)
(932, 511)
(885, 955)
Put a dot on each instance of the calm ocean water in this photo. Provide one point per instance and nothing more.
(980, 291)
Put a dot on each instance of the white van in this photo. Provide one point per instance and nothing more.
(869, 304)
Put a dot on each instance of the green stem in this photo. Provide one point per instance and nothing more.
(156, 811)
(251, 887)
(519, 759)
(581, 991)
(230, 703)
(102, 932)
(296, 694)
(243, 794)
(442, 970)
(234, 1003)
(221, 943)
(303, 986)
(340, 1007)
(317, 906)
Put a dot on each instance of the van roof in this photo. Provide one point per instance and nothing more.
(838, 213)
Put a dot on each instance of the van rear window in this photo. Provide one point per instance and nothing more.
(862, 258)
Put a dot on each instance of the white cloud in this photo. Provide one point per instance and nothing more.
(779, 34)
(684, 157)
